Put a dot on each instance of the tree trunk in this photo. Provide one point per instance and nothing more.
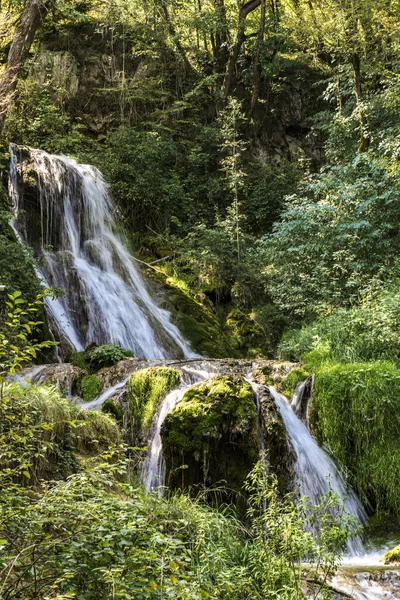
(30, 20)
(257, 61)
(364, 135)
(245, 10)
(221, 36)
(176, 40)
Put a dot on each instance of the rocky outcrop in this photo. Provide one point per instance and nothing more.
(211, 440)
(65, 377)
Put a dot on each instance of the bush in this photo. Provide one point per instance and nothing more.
(107, 356)
(367, 331)
(42, 433)
(336, 234)
(91, 537)
(91, 387)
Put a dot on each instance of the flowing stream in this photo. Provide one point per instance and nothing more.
(153, 470)
(316, 472)
(69, 220)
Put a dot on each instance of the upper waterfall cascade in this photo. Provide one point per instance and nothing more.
(70, 223)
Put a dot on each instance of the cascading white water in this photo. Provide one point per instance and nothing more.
(316, 472)
(70, 225)
(153, 470)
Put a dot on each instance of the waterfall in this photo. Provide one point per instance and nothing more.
(153, 470)
(316, 472)
(68, 218)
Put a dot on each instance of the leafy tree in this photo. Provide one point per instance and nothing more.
(335, 235)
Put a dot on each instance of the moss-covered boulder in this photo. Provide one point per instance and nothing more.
(146, 390)
(392, 556)
(211, 437)
(276, 373)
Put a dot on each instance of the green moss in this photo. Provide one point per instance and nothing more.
(146, 389)
(197, 319)
(91, 387)
(43, 435)
(114, 409)
(357, 407)
(290, 383)
(392, 556)
(211, 436)
(78, 359)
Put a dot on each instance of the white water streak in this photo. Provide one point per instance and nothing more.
(316, 472)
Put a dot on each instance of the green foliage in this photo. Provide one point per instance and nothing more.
(91, 387)
(287, 531)
(146, 389)
(113, 408)
(366, 331)
(42, 433)
(16, 345)
(106, 356)
(78, 359)
(93, 536)
(141, 166)
(38, 120)
(392, 556)
(335, 235)
(295, 377)
(358, 416)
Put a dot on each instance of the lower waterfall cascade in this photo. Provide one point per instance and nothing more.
(70, 225)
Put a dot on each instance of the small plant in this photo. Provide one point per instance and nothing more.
(91, 387)
(78, 359)
(107, 356)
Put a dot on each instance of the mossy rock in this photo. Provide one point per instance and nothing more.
(91, 387)
(146, 390)
(211, 438)
(197, 319)
(392, 556)
(295, 377)
(114, 409)
(249, 336)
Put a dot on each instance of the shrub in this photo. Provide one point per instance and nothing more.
(107, 356)
(41, 433)
(91, 387)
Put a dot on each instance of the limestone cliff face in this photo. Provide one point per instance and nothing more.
(97, 74)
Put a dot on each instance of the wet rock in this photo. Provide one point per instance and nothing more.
(210, 440)
(65, 377)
